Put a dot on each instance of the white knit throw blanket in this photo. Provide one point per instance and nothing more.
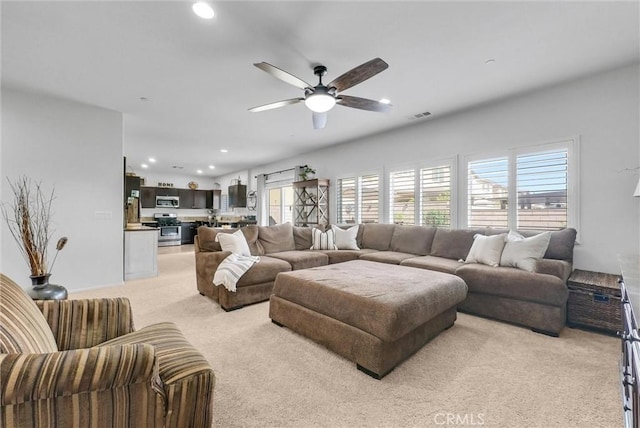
(231, 270)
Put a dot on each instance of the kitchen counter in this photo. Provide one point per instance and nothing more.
(138, 228)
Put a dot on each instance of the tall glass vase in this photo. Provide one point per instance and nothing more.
(42, 290)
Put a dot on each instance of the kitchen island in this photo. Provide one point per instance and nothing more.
(140, 251)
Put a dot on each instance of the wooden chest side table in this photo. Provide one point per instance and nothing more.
(594, 301)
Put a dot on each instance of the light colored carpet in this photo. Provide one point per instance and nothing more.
(478, 373)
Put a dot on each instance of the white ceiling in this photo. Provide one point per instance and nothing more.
(199, 79)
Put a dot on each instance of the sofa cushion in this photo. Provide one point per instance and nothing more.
(323, 240)
(514, 283)
(276, 238)
(415, 240)
(263, 271)
(339, 256)
(207, 238)
(390, 257)
(377, 236)
(439, 264)
(23, 328)
(346, 239)
(561, 243)
(486, 250)
(234, 242)
(302, 238)
(523, 252)
(453, 243)
(302, 259)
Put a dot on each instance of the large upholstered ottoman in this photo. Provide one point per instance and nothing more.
(374, 314)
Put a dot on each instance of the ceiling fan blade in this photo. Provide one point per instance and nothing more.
(277, 104)
(358, 74)
(319, 120)
(363, 104)
(283, 75)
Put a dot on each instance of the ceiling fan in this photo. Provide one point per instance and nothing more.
(321, 98)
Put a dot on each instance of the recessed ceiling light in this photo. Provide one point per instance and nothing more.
(199, 171)
(152, 160)
(490, 61)
(385, 101)
(144, 165)
(211, 167)
(223, 150)
(203, 10)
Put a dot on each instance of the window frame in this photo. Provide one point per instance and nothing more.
(417, 167)
(358, 203)
(571, 144)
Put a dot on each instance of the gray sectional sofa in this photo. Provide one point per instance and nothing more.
(533, 299)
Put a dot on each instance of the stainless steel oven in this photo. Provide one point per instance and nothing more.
(170, 229)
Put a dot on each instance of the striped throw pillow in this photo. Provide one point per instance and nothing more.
(323, 240)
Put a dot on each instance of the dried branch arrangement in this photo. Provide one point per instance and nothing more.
(28, 218)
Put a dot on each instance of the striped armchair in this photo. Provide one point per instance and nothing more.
(79, 363)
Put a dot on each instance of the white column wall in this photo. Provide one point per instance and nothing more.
(78, 149)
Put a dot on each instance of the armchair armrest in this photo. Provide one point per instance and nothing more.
(31, 377)
(85, 323)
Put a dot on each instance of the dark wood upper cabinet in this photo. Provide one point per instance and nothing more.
(237, 196)
(186, 198)
(148, 197)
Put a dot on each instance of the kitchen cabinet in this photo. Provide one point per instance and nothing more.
(311, 203)
(131, 183)
(148, 197)
(238, 196)
(195, 199)
(189, 231)
(190, 199)
(167, 191)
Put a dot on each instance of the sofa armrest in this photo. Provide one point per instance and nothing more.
(207, 263)
(32, 377)
(85, 323)
(558, 268)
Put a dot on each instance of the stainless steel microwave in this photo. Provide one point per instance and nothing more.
(167, 201)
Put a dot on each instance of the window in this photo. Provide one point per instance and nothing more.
(280, 205)
(435, 196)
(369, 199)
(542, 190)
(402, 196)
(525, 189)
(487, 194)
(358, 199)
(347, 200)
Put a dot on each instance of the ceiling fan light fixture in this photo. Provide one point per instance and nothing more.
(320, 102)
(203, 10)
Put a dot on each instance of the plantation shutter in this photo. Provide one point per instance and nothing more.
(402, 197)
(369, 203)
(346, 200)
(487, 192)
(542, 190)
(435, 185)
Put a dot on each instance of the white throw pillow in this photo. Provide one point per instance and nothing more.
(323, 240)
(234, 242)
(523, 252)
(486, 250)
(346, 239)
